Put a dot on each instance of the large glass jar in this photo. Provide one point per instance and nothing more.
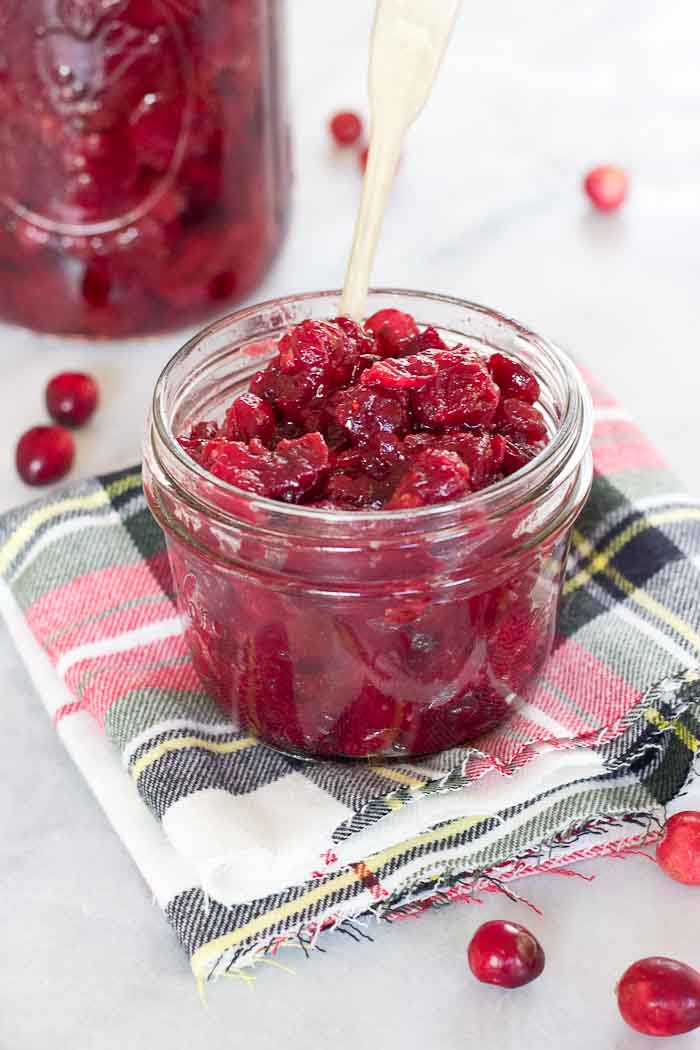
(332, 633)
(144, 168)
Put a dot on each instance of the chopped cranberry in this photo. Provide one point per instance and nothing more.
(368, 725)
(295, 470)
(521, 421)
(512, 379)
(390, 327)
(463, 392)
(434, 477)
(382, 405)
(659, 996)
(249, 417)
(346, 128)
(606, 187)
(362, 411)
(207, 430)
(506, 954)
(71, 398)
(44, 454)
(678, 853)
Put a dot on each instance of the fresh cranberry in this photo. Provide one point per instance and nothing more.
(71, 398)
(678, 853)
(512, 379)
(659, 996)
(606, 187)
(435, 477)
(390, 327)
(346, 128)
(44, 454)
(506, 954)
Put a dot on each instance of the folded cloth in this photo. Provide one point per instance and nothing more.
(254, 849)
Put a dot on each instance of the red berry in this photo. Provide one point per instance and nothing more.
(346, 128)
(606, 187)
(678, 853)
(506, 954)
(390, 327)
(44, 454)
(71, 398)
(659, 996)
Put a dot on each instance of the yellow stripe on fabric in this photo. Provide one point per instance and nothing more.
(681, 731)
(401, 778)
(653, 606)
(344, 879)
(600, 560)
(217, 747)
(26, 530)
(122, 485)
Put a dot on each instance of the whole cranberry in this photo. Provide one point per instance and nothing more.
(346, 128)
(44, 454)
(606, 187)
(659, 996)
(71, 398)
(506, 954)
(678, 853)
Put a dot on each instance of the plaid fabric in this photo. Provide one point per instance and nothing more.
(281, 849)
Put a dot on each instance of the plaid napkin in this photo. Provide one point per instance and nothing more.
(251, 850)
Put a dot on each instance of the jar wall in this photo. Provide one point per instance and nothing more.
(144, 171)
(376, 675)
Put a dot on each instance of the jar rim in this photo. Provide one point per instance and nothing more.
(566, 449)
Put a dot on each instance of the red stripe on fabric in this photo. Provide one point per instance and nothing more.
(67, 709)
(93, 593)
(109, 626)
(114, 675)
(573, 672)
(625, 455)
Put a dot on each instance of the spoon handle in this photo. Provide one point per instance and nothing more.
(409, 38)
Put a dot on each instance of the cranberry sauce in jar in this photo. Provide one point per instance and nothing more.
(387, 619)
(144, 168)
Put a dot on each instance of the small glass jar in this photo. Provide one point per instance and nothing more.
(357, 634)
(144, 169)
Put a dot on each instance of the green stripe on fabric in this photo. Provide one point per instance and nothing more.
(143, 709)
(648, 482)
(145, 533)
(67, 558)
(603, 500)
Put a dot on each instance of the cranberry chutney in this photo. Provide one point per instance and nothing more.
(368, 526)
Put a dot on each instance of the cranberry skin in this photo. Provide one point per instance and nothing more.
(659, 996)
(389, 327)
(346, 128)
(678, 853)
(512, 379)
(71, 398)
(506, 954)
(44, 454)
(606, 187)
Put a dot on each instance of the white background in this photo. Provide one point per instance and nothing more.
(488, 206)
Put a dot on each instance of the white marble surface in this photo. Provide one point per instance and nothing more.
(487, 205)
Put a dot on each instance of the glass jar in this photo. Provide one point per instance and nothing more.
(144, 170)
(357, 634)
